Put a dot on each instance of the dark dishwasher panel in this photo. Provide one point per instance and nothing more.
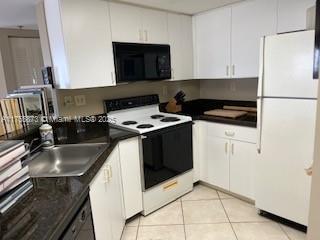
(166, 154)
(81, 226)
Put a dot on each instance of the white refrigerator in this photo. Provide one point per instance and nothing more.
(287, 99)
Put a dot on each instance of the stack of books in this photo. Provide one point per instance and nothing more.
(10, 114)
(14, 176)
(25, 107)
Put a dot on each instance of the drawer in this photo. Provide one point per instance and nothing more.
(167, 192)
(240, 133)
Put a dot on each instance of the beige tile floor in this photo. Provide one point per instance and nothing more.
(206, 214)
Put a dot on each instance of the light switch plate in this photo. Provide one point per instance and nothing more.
(68, 101)
(80, 100)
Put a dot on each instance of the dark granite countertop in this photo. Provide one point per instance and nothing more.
(196, 109)
(45, 211)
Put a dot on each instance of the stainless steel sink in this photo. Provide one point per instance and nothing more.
(65, 160)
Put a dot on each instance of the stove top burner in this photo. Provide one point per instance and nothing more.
(129, 123)
(157, 116)
(145, 126)
(170, 119)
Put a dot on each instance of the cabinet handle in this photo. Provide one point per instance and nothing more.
(113, 78)
(141, 35)
(232, 149)
(226, 148)
(228, 70)
(110, 172)
(35, 77)
(106, 174)
(309, 171)
(233, 70)
(146, 35)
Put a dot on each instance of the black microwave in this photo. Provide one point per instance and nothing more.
(141, 62)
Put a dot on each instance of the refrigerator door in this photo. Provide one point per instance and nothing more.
(287, 66)
(287, 142)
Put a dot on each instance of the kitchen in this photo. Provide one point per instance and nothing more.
(203, 119)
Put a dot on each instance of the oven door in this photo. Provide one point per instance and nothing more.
(166, 154)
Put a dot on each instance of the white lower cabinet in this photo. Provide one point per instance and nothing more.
(228, 162)
(242, 160)
(198, 145)
(106, 200)
(217, 162)
(131, 176)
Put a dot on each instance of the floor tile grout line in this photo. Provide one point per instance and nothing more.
(225, 211)
(184, 225)
(138, 228)
(284, 231)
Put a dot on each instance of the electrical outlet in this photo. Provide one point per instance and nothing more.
(68, 101)
(80, 100)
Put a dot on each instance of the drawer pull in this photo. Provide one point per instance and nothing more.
(309, 171)
(229, 133)
(226, 148)
(170, 185)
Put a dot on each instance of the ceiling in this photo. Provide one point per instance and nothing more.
(182, 6)
(15, 13)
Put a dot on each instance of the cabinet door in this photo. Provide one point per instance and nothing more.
(187, 47)
(126, 23)
(175, 41)
(251, 20)
(100, 203)
(181, 46)
(117, 218)
(292, 14)
(196, 149)
(217, 161)
(87, 42)
(212, 36)
(27, 60)
(131, 176)
(242, 162)
(155, 26)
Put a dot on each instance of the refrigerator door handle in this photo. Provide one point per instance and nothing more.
(260, 93)
(259, 124)
(261, 67)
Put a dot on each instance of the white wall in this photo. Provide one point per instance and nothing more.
(245, 89)
(3, 86)
(229, 89)
(95, 96)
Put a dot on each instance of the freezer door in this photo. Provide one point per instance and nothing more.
(287, 142)
(287, 62)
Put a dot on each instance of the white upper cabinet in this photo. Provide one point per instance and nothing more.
(155, 26)
(292, 14)
(251, 20)
(80, 42)
(181, 46)
(138, 25)
(212, 44)
(227, 40)
(126, 23)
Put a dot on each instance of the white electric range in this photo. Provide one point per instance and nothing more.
(145, 119)
(165, 148)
